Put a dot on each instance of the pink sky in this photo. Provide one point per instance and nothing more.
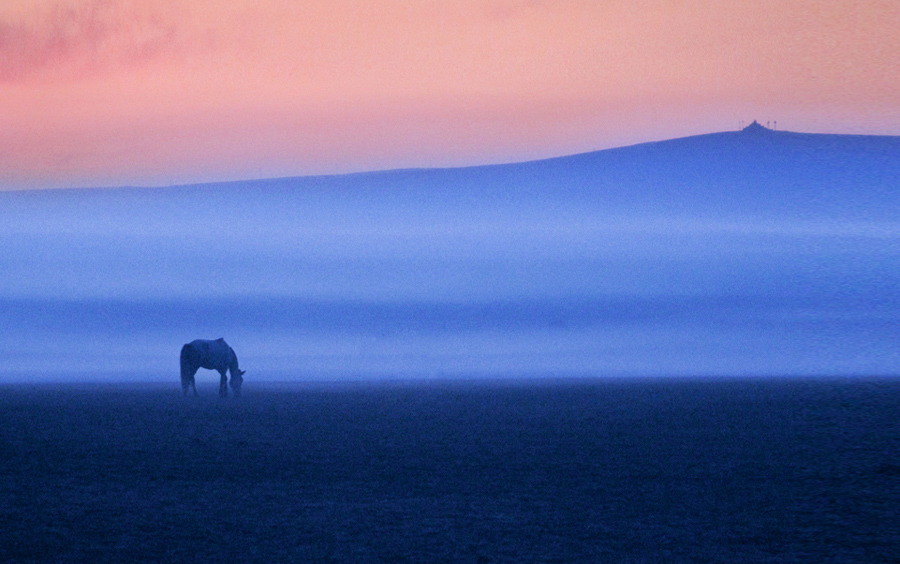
(155, 92)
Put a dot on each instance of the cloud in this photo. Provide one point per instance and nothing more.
(71, 42)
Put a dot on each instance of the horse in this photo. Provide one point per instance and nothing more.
(212, 355)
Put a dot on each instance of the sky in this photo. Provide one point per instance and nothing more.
(160, 92)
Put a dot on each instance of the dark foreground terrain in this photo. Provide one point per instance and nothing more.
(552, 471)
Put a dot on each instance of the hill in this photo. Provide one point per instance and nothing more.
(755, 171)
(745, 252)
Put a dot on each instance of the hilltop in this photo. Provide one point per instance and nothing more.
(755, 171)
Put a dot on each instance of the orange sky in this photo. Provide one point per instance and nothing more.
(149, 92)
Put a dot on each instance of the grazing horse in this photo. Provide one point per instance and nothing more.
(212, 355)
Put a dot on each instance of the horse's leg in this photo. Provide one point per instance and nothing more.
(223, 384)
(187, 381)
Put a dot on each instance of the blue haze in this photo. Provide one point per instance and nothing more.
(739, 253)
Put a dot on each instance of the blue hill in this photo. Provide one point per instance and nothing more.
(756, 172)
(745, 252)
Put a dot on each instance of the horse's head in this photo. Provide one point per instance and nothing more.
(237, 378)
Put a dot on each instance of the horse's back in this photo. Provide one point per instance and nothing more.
(212, 354)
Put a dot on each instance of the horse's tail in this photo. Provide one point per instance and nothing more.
(189, 365)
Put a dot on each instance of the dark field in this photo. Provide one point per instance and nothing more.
(760, 470)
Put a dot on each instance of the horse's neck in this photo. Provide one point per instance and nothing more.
(232, 362)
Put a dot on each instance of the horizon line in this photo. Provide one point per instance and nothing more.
(754, 127)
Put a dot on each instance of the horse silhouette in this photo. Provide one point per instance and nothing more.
(212, 355)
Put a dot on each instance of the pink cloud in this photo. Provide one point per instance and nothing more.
(70, 42)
